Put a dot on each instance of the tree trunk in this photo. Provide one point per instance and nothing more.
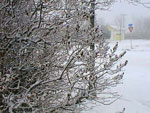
(92, 81)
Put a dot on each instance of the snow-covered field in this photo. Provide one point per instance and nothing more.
(135, 89)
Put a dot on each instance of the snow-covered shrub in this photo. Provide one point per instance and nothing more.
(46, 62)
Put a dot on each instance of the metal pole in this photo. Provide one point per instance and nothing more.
(131, 44)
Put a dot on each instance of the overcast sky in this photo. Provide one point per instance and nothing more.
(131, 11)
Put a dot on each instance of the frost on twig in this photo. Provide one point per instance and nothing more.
(45, 57)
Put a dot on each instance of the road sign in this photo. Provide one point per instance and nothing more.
(130, 27)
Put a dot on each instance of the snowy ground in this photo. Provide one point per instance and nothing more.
(135, 89)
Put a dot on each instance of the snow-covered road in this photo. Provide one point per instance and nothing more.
(135, 89)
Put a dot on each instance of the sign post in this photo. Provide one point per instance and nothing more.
(130, 27)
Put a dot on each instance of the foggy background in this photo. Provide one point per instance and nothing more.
(125, 13)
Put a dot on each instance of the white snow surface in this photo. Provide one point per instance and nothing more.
(135, 90)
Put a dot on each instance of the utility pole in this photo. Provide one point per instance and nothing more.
(122, 25)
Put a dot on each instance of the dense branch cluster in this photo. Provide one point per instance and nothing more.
(45, 57)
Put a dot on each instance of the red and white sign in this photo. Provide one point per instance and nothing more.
(130, 27)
